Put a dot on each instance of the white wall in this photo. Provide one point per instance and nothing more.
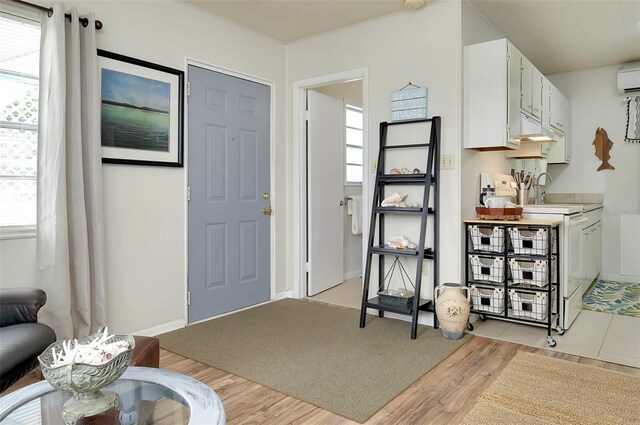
(421, 46)
(17, 263)
(145, 207)
(596, 103)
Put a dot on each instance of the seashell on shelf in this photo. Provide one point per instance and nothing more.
(394, 200)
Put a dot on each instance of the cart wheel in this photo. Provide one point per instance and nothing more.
(469, 326)
(551, 342)
(483, 317)
(560, 330)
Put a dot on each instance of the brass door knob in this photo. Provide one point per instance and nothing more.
(267, 211)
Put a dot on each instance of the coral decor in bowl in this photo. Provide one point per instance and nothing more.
(85, 365)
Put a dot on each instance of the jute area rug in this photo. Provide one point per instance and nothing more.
(317, 353)
(540, 390)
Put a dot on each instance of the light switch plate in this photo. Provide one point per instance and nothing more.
(374, 166)
(448, 161)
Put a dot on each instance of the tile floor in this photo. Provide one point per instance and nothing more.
(604, 336)
(347, 294)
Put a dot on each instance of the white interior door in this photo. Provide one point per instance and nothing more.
(325, 188)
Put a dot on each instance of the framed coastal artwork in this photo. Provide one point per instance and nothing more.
(141, 111)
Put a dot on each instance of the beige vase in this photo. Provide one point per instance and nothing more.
(452, 308)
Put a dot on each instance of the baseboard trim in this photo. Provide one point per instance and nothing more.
(619, 278)
(352, 274)
(163, 328)
(284, 294)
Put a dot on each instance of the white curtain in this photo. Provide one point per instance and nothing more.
(70, 235)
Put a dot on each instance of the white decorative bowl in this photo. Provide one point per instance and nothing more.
(85, 380)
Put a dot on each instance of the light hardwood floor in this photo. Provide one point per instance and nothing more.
(442, 396)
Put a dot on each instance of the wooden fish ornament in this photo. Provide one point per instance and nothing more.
(603, 146)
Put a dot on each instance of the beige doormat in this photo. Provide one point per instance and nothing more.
(541, 390)
(317, 353)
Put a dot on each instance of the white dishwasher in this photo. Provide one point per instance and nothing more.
(572, 253)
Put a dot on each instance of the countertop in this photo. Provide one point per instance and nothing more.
(590, 207)
(552, 223)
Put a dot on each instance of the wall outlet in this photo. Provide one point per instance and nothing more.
(448, 161)
(374, 166)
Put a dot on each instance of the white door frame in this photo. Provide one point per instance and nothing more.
(300, 169)
(272, 185)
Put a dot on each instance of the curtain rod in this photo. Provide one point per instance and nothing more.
(49, 10)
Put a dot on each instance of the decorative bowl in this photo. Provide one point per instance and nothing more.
(85, 380)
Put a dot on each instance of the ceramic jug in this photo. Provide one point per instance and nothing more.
(452, 308)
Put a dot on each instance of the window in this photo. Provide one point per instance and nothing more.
(19, 62)
(353, 145)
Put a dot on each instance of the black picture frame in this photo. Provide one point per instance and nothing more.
(141, 111)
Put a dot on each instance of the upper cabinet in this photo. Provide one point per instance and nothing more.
(556, 117)
(491, 108)
(558, 109)
(530, 89)
(509, 103)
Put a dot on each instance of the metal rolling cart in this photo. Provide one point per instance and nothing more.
(513, 272)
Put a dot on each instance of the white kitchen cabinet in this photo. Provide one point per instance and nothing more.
(530, 89)
(506, 100)
(491, 95)
(558, 109)
(560, 152)
(592, 235)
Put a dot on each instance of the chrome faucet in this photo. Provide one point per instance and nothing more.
(539, 196)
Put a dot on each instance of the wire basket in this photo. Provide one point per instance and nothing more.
(397, 297)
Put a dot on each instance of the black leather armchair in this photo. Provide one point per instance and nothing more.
(22, 338)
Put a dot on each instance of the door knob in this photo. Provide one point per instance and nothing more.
(267, 211)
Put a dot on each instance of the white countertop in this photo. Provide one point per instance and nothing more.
(552, 209)
(559, 208)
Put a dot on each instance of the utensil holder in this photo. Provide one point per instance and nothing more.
(522, 196)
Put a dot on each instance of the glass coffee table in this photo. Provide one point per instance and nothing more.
(147, 396)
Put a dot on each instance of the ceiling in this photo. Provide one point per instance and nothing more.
(292, 20)
(555, 35)
(567, 35)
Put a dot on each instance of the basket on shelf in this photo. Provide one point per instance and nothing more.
(529, 241)
(488, 300)
(397, 297)
(487, 238)
(534, 273)
(487, 269)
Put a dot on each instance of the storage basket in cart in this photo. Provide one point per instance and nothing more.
(486, 299)
(487, 238)
(529, 241)
(534, 273)
(487, 269)
(529, 305)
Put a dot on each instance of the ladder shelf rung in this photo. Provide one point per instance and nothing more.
(404, 178)
(423, 304)
(406, 146)
(401, 210)
(386, 250)
(417, 120)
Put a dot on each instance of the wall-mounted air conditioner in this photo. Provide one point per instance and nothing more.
(629, 77)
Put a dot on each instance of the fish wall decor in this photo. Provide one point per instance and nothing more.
(603, 145)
